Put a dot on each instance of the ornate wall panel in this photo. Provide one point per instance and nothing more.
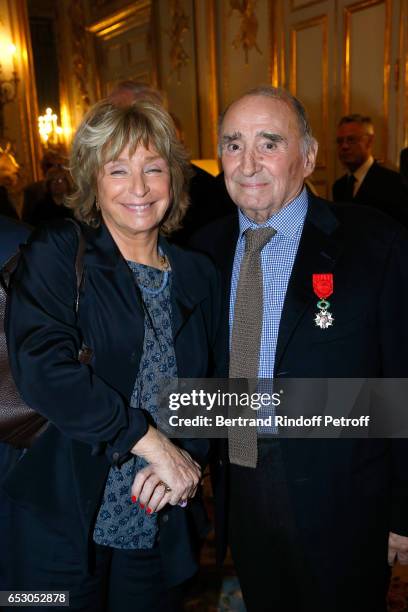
(300, 4)
(123, 48)
(246, 41)
(366, 65)
(207, 93)
(309, 76)
(76, 64)
(179, 76)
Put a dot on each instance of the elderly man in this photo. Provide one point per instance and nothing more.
(308, 521)
(366, 181)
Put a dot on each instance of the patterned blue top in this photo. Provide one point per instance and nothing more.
(120, 523)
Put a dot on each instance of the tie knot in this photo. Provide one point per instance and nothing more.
(255, 239)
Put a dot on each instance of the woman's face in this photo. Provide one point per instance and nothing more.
(134, 193)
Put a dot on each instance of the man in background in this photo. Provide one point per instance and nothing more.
(35, 192)
(366, 181)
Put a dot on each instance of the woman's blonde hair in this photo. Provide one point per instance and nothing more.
(103, 134)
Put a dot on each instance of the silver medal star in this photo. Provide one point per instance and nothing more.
(324, 319)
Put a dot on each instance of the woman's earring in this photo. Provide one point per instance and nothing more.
(97, 204)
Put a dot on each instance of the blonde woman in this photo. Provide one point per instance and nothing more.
(103, 502)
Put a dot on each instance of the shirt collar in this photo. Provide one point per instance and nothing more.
(363, 169)
(286, 222)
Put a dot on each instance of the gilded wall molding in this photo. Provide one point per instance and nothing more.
(178, 26)
(304, 25)
(121, 21)
(246, 38)
(29, 147)
(80, 58)
(210, 69)
(304, 5)
(348, 14)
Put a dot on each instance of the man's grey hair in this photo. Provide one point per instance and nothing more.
(308, 142)
(363, 120)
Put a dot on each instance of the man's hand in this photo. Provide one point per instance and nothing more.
(397, 549)
(167, 464)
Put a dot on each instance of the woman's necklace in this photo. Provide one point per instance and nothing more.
(164, 263)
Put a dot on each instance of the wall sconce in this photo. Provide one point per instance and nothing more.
(50, 132)
(8, 87)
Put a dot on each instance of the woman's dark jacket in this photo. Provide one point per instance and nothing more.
(61, 478)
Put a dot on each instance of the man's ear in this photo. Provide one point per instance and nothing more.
(310, 158)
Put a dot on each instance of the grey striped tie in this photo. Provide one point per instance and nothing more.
(246, 337)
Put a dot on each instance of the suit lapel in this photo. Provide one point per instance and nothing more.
(225, 260)
(319, 248)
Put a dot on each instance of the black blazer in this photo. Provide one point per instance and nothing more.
(348, 492)
(87, 405)
(381, 188)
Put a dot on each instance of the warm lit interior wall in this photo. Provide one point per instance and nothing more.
(204, 53)
(20, 115)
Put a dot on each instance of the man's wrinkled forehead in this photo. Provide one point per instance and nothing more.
(259, 115)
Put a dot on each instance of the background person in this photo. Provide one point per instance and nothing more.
(102, 485)
(34, 192)
(58, 186)
(366, 181)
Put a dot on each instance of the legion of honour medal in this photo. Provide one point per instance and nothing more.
(323, 288)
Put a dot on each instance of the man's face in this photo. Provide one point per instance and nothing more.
(354, 145)
(262, 158)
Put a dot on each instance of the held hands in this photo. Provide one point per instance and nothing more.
(397, 549)
(167, 464)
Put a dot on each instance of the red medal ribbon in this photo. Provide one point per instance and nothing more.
(323, 285)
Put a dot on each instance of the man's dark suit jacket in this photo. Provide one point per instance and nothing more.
(381, 188)
(346, 493)
(209, 201)
(62, 476)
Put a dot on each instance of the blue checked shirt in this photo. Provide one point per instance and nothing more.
(277, 259)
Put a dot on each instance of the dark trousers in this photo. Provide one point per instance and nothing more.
(277, 569)
(119, 580)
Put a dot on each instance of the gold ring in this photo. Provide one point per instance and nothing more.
(166, 486)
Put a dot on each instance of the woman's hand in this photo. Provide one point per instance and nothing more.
(167, 464)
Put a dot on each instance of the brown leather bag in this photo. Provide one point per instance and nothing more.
(20, 425)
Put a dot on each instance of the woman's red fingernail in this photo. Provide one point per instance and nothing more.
(134, 499)
(149, 511)
(142, 506)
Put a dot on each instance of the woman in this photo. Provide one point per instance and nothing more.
(100, 498)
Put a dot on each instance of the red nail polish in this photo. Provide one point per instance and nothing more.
(134, 499)
(142, 506)
(149, 511)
